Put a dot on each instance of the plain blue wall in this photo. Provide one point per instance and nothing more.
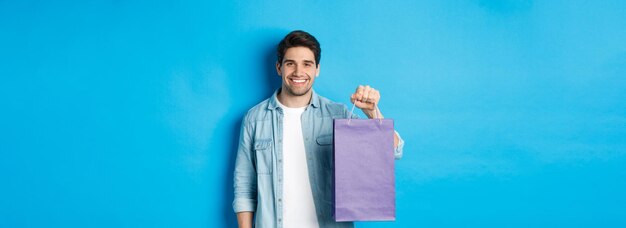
(126, 113)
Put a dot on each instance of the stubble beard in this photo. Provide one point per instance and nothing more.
(296, 93)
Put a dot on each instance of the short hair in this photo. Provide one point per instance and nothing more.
(299, 38)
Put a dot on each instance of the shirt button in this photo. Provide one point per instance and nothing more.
(280, 160)
(280, 200)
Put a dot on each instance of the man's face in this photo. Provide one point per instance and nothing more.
(298, 71)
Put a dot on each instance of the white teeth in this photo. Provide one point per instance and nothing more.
(299, 81)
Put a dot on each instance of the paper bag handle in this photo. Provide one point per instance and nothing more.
(380, 120)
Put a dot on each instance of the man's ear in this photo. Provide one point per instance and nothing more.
(317, 71)
(278, 68)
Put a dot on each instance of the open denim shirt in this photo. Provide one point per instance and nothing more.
(258, 168)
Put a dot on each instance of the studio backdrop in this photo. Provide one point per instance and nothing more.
(127, 113)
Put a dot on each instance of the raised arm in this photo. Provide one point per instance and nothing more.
(366, 98)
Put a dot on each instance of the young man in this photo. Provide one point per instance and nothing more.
(283, 172)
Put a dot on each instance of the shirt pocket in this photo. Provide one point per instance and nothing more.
(324, 140)
(325, 151)
(263, 152)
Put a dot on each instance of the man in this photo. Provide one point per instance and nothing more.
(283, 172)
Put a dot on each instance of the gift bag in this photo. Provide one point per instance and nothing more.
(364, 180)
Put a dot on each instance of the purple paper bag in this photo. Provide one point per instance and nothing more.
(364, 180)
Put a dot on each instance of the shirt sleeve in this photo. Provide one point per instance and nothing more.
(398, 151)
(244, 178)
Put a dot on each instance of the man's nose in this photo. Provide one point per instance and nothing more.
(299, 71)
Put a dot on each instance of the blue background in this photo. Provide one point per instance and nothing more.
(126, 113)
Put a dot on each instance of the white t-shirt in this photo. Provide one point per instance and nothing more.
(298, 206)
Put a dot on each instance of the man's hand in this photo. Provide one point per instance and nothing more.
(366, 98)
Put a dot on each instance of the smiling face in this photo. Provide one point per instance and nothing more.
(298, 71)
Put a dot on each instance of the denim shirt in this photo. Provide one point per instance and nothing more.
(259, 170)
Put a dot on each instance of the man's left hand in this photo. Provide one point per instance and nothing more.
(366, 98)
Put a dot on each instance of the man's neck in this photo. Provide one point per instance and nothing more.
(292, 101)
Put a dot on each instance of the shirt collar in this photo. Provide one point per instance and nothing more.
(273, 102)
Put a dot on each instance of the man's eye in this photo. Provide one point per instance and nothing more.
(289, 64)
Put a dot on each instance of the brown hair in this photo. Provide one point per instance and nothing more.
(299, 38)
